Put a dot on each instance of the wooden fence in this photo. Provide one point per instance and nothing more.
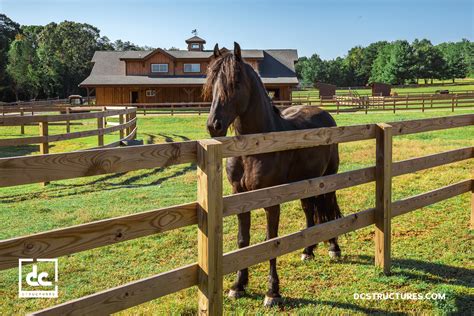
(21, 116)
(337, 104)
(207, 212)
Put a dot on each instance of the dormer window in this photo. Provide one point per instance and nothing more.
(192, 68)
(159, 68)
(195, 46)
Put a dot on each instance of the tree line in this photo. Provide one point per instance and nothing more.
(48, 61)
(38, 62)
(398, 62)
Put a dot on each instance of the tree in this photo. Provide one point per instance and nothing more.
(23, 67)
(429, 60)
(394, 64)
(455, 59)
(8, 30)
(66, 50)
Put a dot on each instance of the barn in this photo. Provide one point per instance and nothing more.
(168, 76)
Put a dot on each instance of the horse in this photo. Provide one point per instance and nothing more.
(239, 100)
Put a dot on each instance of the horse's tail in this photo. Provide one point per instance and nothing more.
(327, 208)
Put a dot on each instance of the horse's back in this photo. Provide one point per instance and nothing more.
(307, 116)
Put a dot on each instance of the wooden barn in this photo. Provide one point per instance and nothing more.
(168, 76)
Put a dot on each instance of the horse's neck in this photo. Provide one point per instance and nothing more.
(260, 117)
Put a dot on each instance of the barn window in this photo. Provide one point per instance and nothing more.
(192, 67)
(150, 93)
(159, 67)
(194, 46)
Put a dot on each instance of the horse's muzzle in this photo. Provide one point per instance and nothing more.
(216, 128)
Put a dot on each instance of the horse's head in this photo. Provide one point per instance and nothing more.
(228, 87)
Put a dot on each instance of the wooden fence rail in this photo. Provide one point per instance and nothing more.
(211, 206)
(338, 104)
(46, 117)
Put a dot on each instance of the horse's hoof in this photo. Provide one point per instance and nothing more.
(272, 301)
(305, 257)
(336, 255)
(234, 294)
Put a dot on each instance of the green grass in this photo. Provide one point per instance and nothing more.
(314, 93)
(432, 247)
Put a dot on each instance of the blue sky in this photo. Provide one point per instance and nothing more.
(329, 28)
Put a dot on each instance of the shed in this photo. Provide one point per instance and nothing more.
(326, 90)
(380, 89)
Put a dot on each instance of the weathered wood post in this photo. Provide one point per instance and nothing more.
(68, 123)
(383, 198)
(394, 105)
(121, 121)
(44, 145)
(100, 128)
(423, 104)
(472, 200)
(210, 205)
(133, 116)
(452, 103)
(22, 126)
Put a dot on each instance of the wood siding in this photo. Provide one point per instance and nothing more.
(144, 67)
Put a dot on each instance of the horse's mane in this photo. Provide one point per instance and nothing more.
(231, 69)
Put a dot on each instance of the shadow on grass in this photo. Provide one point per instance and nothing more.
(13, 151)
(61, 190)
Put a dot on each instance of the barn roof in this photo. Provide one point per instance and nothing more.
(195, 39)
(277, 66)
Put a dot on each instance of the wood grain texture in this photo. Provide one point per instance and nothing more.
(412, 203)
(128, 295)
(248, 256)
(431, 161)
(279, 141)
(209, 172)
(383, 196)
(64, 241)
(246, 201)
(431, 124)
(33, 169)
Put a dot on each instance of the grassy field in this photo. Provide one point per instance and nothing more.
(432, 247)
(314, 93)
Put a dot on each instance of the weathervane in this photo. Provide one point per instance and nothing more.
(194, 32)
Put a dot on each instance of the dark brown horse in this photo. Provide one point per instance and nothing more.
(239, 98)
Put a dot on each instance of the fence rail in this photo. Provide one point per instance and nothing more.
(207, 212)
(43, 117)
(337, 104)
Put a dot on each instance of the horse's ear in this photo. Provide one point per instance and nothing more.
(217, 52)
(237, 52)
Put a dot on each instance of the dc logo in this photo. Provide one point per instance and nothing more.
(38, 279)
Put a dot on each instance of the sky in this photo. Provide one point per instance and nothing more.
(328, 28)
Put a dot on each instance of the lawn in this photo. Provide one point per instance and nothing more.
(314, 93)
(432, 247)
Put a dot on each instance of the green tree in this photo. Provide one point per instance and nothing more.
(23, 67)
(8, 30)
(65, 51)
(394, 64)
(429, 60)
(456, 60)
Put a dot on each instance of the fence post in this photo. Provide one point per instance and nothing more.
(209, 212)
(121, 121)
(394, 105)
(100, 128)
(423, 104)
(452, 104)
(472, 200)
(68, 124)
(22, 126)
(44, 146)
(383, 198)
(133, 115)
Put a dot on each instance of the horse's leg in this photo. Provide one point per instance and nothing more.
(328, 210)
(309, 205)
(238, 288)
(273, 294)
